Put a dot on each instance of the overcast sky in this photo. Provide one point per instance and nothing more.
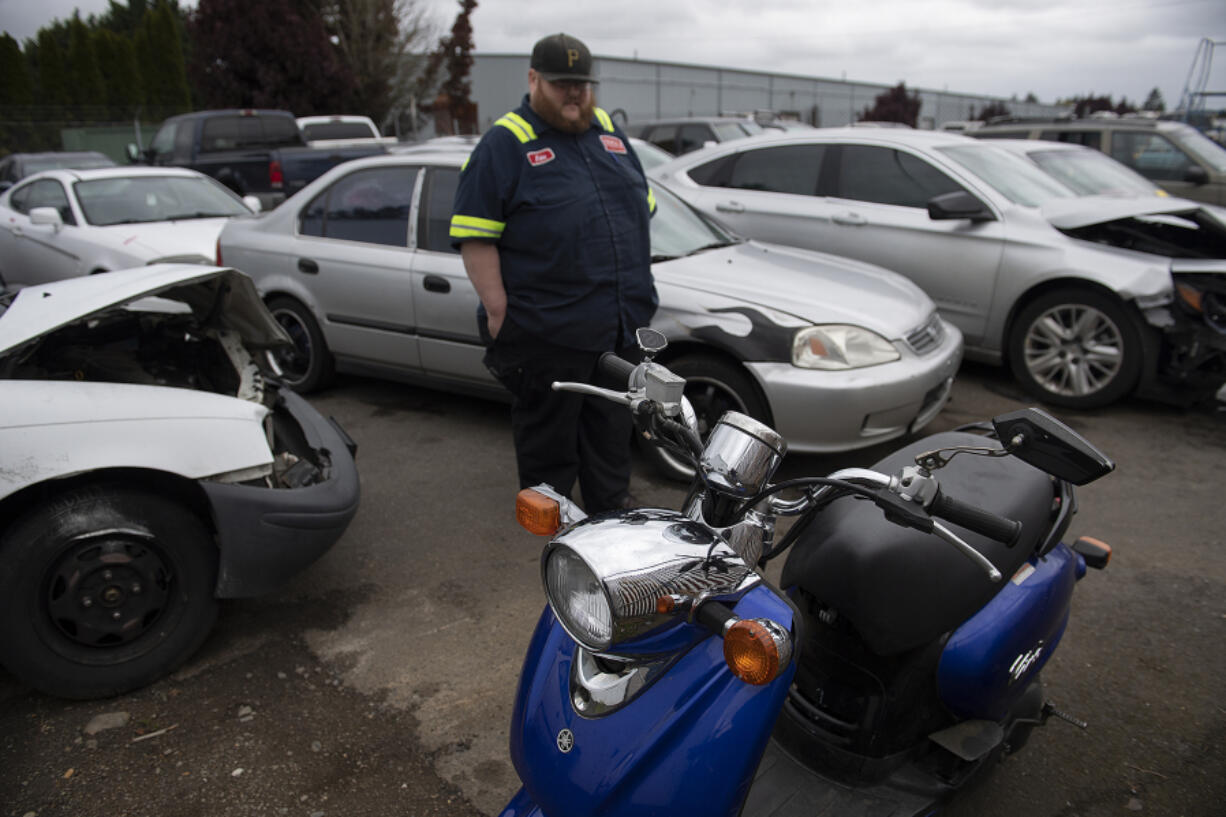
(1053, 48)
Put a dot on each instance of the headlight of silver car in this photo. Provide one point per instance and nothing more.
(839, 347)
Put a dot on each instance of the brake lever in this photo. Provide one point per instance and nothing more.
(969, 552)
(595, 391)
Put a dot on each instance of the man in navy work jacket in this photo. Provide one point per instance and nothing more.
(552, 220)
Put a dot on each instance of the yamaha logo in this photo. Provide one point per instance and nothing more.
(566, 741)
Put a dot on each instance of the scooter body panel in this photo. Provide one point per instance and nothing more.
(990, 659)
(690, 741)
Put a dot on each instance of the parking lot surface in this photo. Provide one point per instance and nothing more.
(381, 680)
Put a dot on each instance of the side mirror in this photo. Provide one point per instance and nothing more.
(1196, 175)
(958, 205)
(651, 341)
(47, 217)
(1037, 438)
(133, 152)
(253, 203)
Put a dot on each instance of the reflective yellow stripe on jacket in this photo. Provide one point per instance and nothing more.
(517, 125)
(473, 227)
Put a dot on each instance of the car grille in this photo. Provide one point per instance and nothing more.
(927, 337)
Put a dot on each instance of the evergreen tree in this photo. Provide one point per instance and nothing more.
(159, 57)
(894, 105)
(51, 70)
(16, 96)
(84, 78)
(1154, 102)
(124, 89)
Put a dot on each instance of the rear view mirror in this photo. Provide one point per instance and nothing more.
(1037, 438)
(958, 205)
(1195, 174)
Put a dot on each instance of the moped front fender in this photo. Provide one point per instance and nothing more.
(691, 740)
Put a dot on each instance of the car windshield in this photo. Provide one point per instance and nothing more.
(678, 229)
(727, 131)
(138, 199)
(1012, 176)
(1090, 173)
(650, 155)
(1202, 147)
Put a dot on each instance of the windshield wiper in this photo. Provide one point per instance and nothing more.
(714, 245)
(197, 214)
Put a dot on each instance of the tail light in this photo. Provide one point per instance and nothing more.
(275, 177)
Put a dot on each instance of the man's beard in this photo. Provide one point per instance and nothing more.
(552, 114)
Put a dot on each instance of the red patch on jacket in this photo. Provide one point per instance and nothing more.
(539, 157)
(612, 143)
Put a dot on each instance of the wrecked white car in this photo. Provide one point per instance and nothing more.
(147, 469)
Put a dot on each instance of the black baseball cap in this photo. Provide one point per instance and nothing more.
(561, 57)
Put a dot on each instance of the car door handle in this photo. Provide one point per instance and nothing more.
(435, 283)
(730, 207)
(308, 266)
(850, 219)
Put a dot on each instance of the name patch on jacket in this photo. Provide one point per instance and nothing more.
(537, 158)
(612, 143)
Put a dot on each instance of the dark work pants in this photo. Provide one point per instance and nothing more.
(561, 436)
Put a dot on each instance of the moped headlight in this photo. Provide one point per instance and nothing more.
(578, 599)
(839, 347)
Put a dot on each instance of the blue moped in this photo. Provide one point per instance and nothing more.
(899, 656)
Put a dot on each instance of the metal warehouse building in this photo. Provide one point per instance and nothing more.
(637, 90)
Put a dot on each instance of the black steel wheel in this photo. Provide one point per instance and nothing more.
(308, 365)
(104, 589)
(1076, 348)
(713, 386)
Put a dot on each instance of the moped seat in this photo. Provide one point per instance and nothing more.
(901, 588)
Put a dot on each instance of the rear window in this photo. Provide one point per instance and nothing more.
(337, 130)
(240, 132)
(1089, 138)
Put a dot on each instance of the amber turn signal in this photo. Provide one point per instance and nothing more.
(537, 513)
(751, 652)
(1096, 552)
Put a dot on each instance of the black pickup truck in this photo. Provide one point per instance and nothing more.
(254, 152)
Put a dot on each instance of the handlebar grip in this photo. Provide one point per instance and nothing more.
(714, 615)
(617, 368)
(986, 523)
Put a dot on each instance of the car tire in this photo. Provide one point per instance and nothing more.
(105, 589)
(713, 386)
(309, 365)
(1076, 348)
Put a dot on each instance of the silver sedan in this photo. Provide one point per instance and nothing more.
(833, 353)
(1086, 298)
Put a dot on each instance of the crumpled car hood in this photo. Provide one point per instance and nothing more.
(44, 308)
(1083, 211)
(1190, 234)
